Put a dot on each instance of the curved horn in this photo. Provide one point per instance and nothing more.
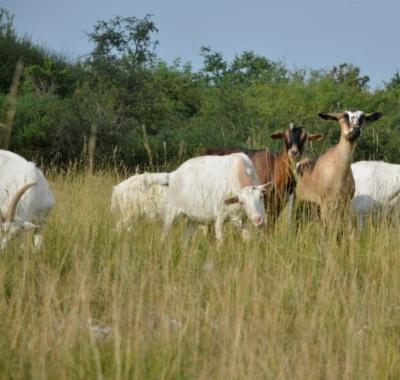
(14, 201)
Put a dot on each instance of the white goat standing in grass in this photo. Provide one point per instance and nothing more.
(377, 186)
(34, 206)
(212, 189)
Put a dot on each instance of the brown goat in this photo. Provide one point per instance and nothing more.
(328, 180)
(276, 167)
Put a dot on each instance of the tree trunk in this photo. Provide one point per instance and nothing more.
(10, 106)
(92, 146)
(147, 146)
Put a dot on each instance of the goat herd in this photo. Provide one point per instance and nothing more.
(224, 184)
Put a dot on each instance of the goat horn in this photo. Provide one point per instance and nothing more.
(14, 202)
(291, 126)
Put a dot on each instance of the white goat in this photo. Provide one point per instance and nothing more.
(202, 189)
(377, 187)
(33, 207)
(139, 197)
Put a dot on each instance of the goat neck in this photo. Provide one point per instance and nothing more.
(345, 149)
(284, 173)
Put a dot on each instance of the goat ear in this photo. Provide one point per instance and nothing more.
(278, 135)
(331, 116)
(266, 187)
(315, 137)
(231, 200)
(373, 116)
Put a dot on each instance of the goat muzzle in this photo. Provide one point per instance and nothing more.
(258, 221)
(294, 153)
(354, 134)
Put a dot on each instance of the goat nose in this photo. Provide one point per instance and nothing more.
(294, 153)
(355, 132)
(258, 221)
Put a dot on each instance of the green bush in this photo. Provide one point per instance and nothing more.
(124, 89)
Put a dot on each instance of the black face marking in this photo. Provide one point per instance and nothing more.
(354, 118)
(354, 135)
(295, 137)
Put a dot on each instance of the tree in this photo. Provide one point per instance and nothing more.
(12, 49)
(350, 75)
(394, 82)
(214, 65)
(122, 43)
(6, 23)
(250, 68)
(118, 73)
(10, 106)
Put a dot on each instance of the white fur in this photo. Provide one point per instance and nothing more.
(354, 117)
(377, 187)
(199, 188)
(35, 204)
(139, 197)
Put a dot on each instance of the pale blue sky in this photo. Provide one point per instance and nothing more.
(303, 33)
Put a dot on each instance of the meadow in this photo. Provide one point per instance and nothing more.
(290, 303)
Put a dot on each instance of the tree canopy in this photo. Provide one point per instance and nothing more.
(148, 111)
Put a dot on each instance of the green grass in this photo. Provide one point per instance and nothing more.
(288, 304)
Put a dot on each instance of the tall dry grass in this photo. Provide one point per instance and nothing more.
(301, 304)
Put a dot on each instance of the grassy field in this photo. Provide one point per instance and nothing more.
(289, 304)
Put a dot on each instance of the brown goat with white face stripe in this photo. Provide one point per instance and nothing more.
(328, 180)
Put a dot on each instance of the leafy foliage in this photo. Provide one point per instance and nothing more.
(146, 110)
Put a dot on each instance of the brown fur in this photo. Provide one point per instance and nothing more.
(275, 167)
(328, 180)
(245, 174)
(269, 167)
